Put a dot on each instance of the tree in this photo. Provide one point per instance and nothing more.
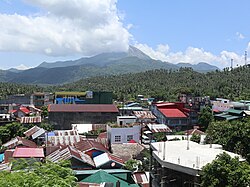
(233, 136)
(225, 171)
(205, 117)
(39, 175)
(195, 138)
(133, 164)
(44, 113)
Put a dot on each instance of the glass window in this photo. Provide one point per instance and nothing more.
(117, 138)
(129, 137)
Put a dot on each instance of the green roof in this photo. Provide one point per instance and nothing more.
(71, 93)
(234, 111)
(90, 172)
(227, 116)
(102, 176)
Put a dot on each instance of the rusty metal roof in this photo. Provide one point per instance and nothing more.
(24, 152)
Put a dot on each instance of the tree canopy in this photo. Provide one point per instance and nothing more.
(233, 136)
(40, 175)
(226, 171)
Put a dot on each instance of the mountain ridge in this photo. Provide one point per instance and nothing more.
(114, 63)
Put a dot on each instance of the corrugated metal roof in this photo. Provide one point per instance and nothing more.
(106, 157)
(154, 128)
(140, 178)
(83, 108)
(63, 137)
(102, 176)
(19, 141)
(144, 115)
(68, 152)
(24, 152)
(34, 119)
(172, 113)
(86, 145)
(31, 131)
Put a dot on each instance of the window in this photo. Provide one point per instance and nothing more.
(129, 137)
(117, 138)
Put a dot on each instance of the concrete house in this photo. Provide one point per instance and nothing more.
(63, 115)
(123, 134)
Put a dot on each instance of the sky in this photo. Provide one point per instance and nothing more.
(193, 31)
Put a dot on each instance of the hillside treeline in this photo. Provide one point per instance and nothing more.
(161, 84)
(167, 84)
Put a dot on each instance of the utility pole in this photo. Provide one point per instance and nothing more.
(245, 57)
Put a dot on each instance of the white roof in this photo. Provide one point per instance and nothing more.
(178, 158)
(101, 159)
(82, 128)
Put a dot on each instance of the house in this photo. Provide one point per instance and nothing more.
(78, 159)
(123, 134)
(171, 114)
(28, 153)
(141, 178)
(31, 120)
(88, 97)
(35, 132)
(19, 142)
(62, 137)
(39, 99)
(63, 115)
(108, 161)
(129, 108)
(21, 112)
(102, 176)
(91, 147)
(127, 151)
(123, 174)
(230, 114)
(126, 120)
(85, 128)
(145, 116)
(179, 162)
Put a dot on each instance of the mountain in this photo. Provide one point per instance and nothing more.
(61, 72)
(202, 67)
(100, 59)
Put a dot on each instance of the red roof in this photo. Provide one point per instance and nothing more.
(172, 113)
(132, 141)
(24, 110)
(82, 108)
(23, 152)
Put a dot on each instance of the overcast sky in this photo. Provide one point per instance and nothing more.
(33, 31)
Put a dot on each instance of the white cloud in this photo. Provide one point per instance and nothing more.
(22, 67)
(192, 55)
(68, 27)
(240, 36)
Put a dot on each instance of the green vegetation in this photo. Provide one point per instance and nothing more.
(226, 171)
(15, 129)
(205, 117)
(13, 88)
(195, 138)
(161, 84)
(233, 136)
(167, 84)
(39, 175)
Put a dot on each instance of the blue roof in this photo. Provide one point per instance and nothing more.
(1, 157)
(51, 134)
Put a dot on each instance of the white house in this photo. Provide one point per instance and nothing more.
(123, 134)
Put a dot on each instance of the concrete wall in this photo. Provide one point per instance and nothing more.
(63, 120)
(124, 132)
